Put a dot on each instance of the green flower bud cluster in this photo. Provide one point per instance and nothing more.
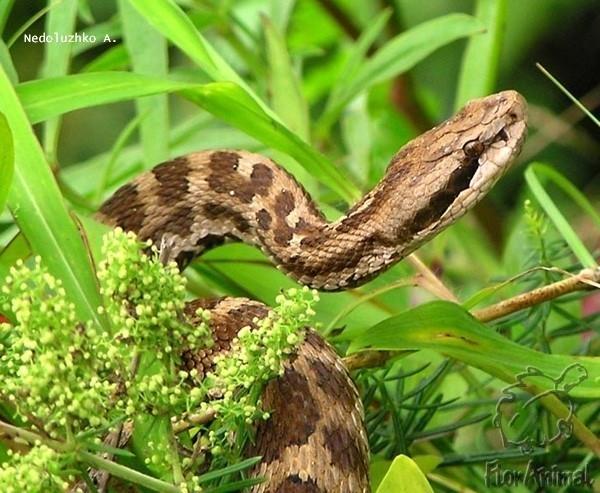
(53, 367)
(35, 472)
(144, 299)
(256, 356)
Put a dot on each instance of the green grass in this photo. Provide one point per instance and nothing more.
(286, 79)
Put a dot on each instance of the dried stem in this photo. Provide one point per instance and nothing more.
(585, 279)
(429, 281)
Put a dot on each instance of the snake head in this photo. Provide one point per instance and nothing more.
(443, 173)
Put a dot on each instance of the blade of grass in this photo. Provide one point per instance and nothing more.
(46, 98)
(356, 57)
(7, 63)
(587, 112)
(148, 52)
(233, 105)
(7, 160)
(232, 469)
(568, 188)
(43, 99)
(172, 22)
(115, 58)
(479, 67)
(97, 32)
(120, 143)
(60, 19)
(402, 53)
(286, 94)
(5, 8)
(39, 210)
(32, 20)
(559, 221)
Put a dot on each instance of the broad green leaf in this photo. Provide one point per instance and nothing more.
(232, 104)
(38, 208)
(286, 94)
(148, 52)
(480, 62)
(449, 329)
(404, 476)
(403, 52)
(7, 160)
(559, 221)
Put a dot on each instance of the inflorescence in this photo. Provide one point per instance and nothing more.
(71, 378)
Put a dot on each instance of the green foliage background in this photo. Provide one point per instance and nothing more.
(331, 89)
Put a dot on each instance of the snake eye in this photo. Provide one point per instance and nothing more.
(473, 148)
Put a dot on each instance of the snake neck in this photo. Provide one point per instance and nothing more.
(201, 200)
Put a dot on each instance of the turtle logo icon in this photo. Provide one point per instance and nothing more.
(518, 420)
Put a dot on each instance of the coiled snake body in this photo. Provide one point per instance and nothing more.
(315, 440)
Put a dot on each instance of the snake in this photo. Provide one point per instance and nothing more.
(315, 440)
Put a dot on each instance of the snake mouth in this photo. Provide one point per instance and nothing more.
(503, 142)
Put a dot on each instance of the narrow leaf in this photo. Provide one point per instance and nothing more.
(286, 94)
(567, 93)
(479, 67)
(404, 51)
(7, 63)
(7, 160)
(60, 19)
(46, 98)
(233, 105)
(148, 52)
(559, 221)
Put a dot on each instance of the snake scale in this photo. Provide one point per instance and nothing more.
(315, 440)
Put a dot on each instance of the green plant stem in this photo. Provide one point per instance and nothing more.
(568, 94)
(127, 474)
(93, 460)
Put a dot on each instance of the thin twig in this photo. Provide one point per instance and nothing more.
(585, 279)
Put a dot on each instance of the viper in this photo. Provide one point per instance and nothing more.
(315, 439)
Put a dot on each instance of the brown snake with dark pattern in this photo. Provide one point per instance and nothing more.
(315, 440)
